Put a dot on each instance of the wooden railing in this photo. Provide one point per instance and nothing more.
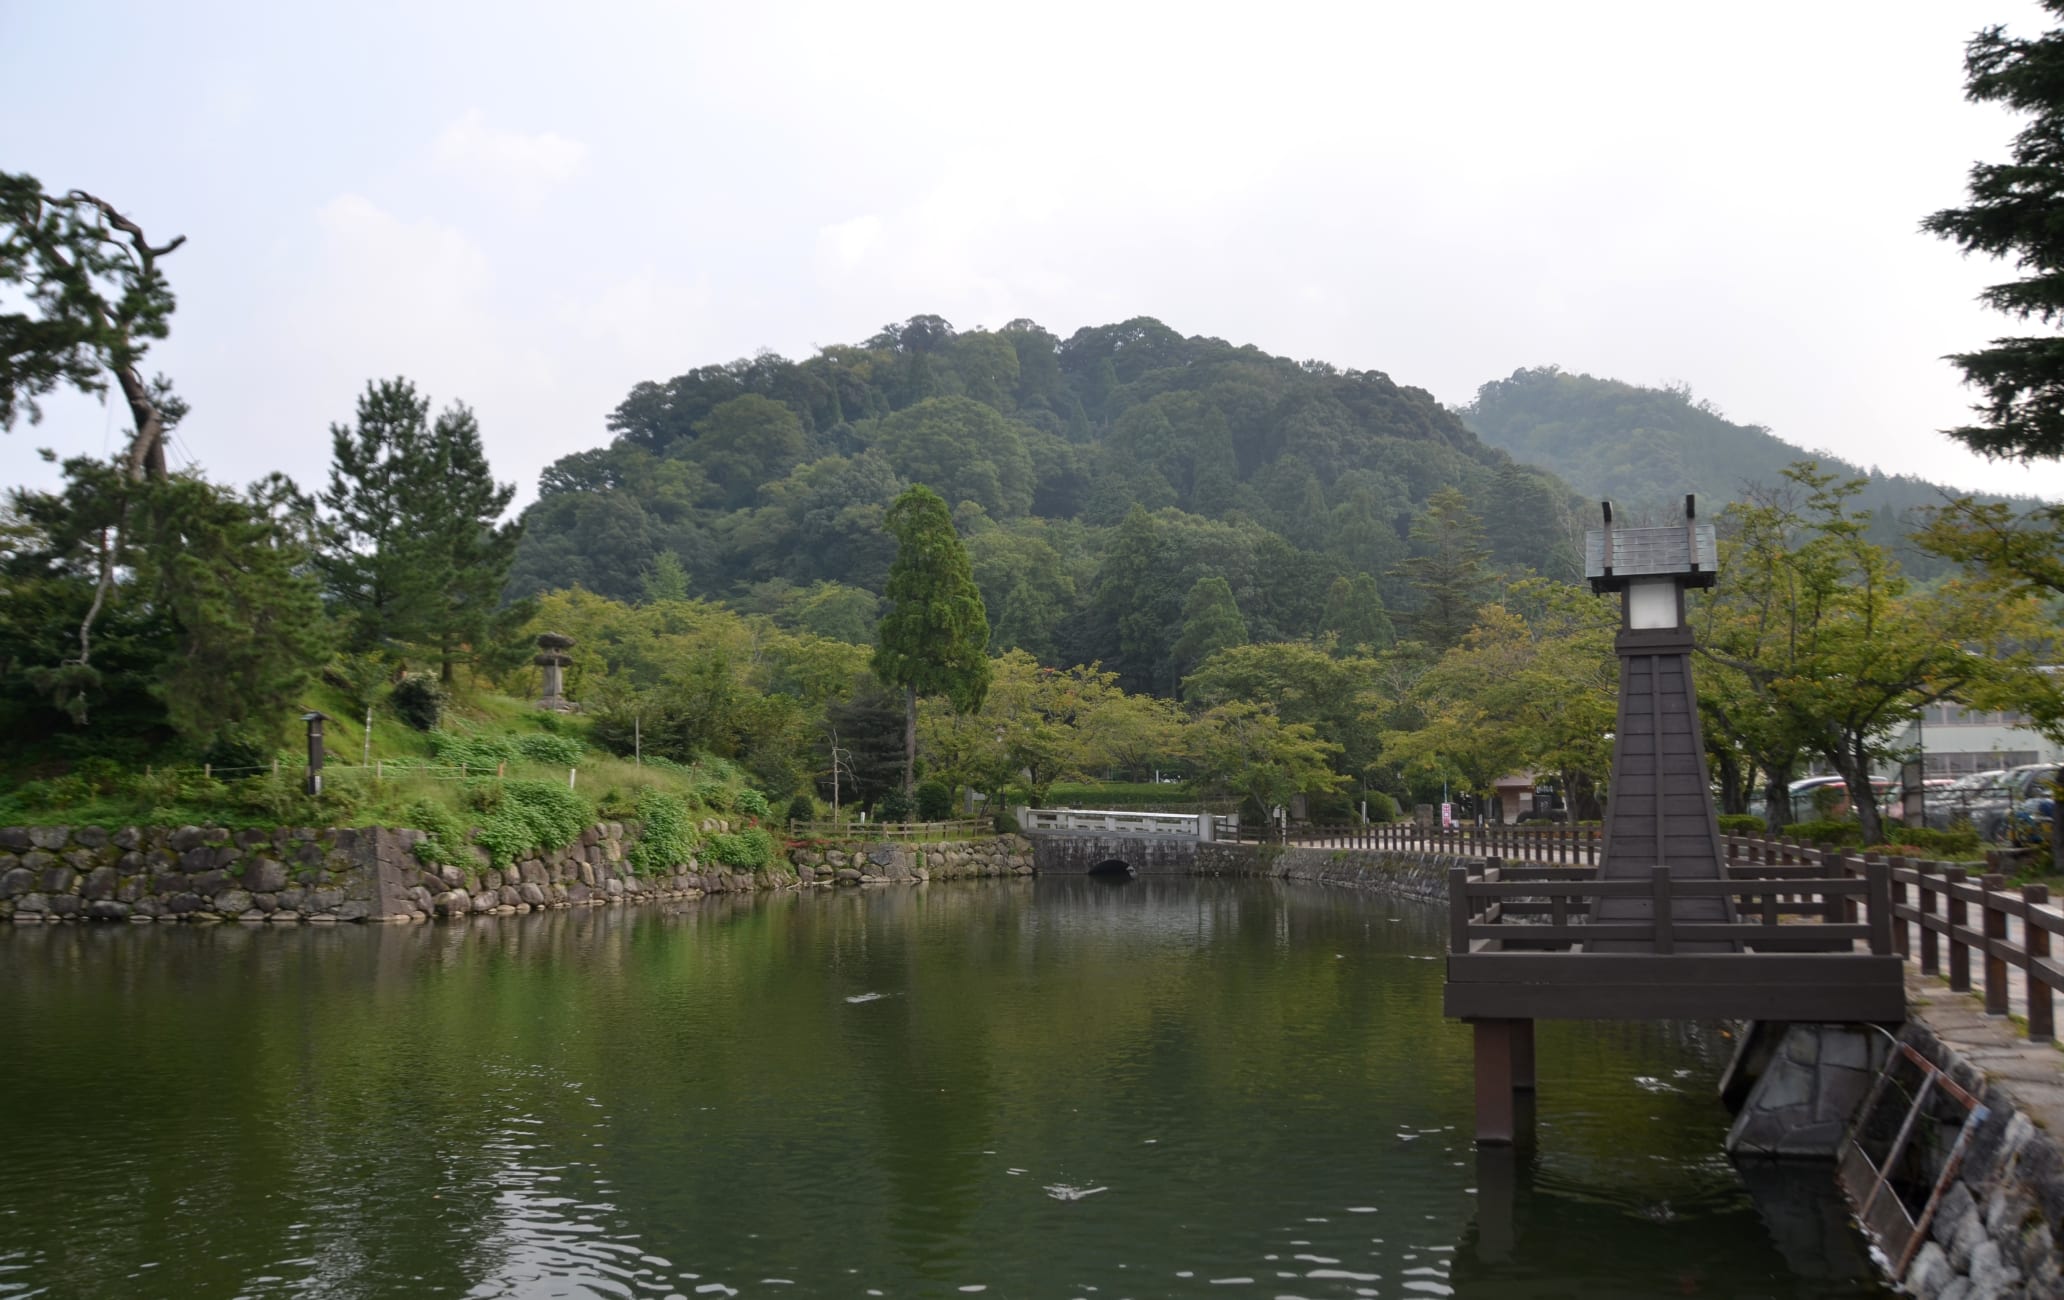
(1545, 909)
(1976, 931)
(857, 830)
(1933, 901)
(1537, 842)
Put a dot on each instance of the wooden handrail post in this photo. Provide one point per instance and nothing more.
(1959, 916)
(1659, 896)
(1902, 937)
(1458, 910)
(2035, 941)
(1852, 909)
(1878, 874)
(1994, 924)
(1925, 898)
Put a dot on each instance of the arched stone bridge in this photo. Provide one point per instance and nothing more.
(1070, 841)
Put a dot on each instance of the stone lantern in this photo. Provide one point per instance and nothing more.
(1659, 810)
(552, 657)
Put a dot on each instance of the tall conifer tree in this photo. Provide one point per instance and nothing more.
(934, 638)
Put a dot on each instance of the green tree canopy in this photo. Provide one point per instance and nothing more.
(965, 450)
(1211, 622)
(95, 300)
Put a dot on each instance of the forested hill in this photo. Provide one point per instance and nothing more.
(1644, 448)
(762, 483)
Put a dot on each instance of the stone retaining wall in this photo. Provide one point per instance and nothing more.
(1995, 1231)
(284, 876)
(852, 863)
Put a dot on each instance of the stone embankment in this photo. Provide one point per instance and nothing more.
(286, 876)
(884, 864)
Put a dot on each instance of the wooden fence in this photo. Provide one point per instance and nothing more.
(858, 830)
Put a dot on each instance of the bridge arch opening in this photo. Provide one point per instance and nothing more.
(1112, 867)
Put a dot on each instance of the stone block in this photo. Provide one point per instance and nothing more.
(66, 905)
(233, 902)
(107, 909)
(265, 875)
(129, 839)
(32, 902)
(182, 903)
(355, 909)
(1991, 1275)
(209, 883)
(51, 838)
(530, 893)
(15, 839)
(98, 883)
(60, 880)
(129, 889)
(90, 837)
(15, 883)
(185, 839)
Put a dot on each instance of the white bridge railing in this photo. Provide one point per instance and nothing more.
(1195, 826)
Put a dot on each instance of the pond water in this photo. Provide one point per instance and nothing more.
(1061, 1087)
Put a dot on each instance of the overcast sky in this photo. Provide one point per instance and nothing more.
(534, 207)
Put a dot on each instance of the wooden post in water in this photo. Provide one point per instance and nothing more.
(1495, 1078)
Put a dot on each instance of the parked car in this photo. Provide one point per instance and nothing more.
(1953, 803)
(1807, 798)
(1990, 809)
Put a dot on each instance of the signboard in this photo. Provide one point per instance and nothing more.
(1447, 815)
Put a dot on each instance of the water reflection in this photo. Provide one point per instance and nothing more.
(1094, 1087)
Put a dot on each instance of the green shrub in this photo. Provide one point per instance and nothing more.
(802, 808)
(747, 850)
(233, 757)
(476, 753)
(1382, 808)
(418, 700)
(934, 800)
(446, 845)
(1840, 834)
(751, 803)
(1005, 824)
(1960, 842)
(893, 806)
(1741, 824)
(519, 817)
(666, 836)
(558, 751)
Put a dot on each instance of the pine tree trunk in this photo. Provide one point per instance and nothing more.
(909, 739)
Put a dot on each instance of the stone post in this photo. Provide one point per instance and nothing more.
(552, 657)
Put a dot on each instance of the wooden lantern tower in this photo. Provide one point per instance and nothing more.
(1659, 810)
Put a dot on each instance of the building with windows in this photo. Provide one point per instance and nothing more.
(1953, 740)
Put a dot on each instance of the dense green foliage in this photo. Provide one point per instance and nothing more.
(1644, 448)
(1096, 481)
(2013, 214)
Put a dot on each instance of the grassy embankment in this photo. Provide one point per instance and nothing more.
(498, 773)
